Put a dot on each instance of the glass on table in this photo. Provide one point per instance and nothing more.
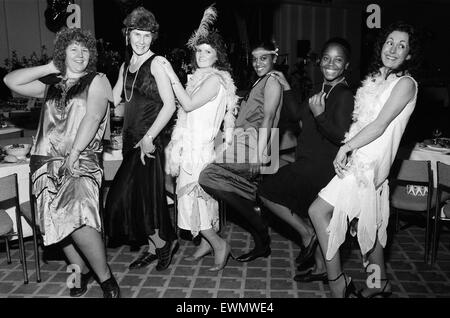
(436, 134)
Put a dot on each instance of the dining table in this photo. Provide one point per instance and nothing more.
(22, 169)
(11, 132)
(427, 151)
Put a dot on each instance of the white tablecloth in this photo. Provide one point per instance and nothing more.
(22, 169)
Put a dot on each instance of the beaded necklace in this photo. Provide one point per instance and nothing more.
(132, 85)
(332, 86)
(65, 85)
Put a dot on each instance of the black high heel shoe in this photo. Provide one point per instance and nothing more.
(350, 289)
(145, 259)
(382, 293)
(165, 255)
(110, 287)
(260, 250)
(223, 263)
(84, 281)
(254, 254)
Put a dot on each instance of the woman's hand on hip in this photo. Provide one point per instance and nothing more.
(147, 148)
(340, 162)
(71, 164)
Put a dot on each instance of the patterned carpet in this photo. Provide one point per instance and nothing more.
(263, 278)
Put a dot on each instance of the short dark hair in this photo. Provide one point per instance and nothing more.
(141, 19)
(410, 66)
(342, 43)
(215, 40)
(267, 45)
(64, 38)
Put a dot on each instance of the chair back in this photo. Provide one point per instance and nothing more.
(443, 175)
(411, 185)
(417, 172)
(8, 187)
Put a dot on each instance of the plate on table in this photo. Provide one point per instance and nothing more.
(438, 148)
(442, 145)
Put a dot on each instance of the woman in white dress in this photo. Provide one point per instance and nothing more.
(360, 190)
(208, 100)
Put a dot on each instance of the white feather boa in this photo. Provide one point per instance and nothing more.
(174, 149)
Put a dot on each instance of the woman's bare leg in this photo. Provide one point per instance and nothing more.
(297, 223)
(90, 243)
(377, 271)
(320, 213)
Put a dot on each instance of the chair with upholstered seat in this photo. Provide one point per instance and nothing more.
(442, 211)
(6, 228)
(411, 189)
(9, 198)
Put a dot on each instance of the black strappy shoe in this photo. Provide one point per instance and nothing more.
(382, 293)
(165, 254)
(350, 289)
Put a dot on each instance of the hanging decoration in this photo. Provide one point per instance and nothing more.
(56, 14)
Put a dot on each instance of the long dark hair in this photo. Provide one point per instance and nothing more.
(411, 65)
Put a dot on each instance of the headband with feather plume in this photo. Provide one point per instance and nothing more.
(209, 16)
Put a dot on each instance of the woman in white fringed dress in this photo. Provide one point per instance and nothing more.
(360, 190)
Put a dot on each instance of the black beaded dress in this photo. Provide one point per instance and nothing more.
(136, 203)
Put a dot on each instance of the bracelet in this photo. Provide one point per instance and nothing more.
(348, 147)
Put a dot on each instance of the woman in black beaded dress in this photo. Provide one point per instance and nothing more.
(136, 206)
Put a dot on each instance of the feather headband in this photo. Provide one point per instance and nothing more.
(209, 16)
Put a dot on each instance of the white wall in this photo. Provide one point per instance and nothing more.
(22, 26)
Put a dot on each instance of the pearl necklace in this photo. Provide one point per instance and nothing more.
(332, 86)
(132, 85)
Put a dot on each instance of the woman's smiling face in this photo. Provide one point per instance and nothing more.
(77, 58)
(333, 62)
(262, 61)
(395, 50)
(206, 55)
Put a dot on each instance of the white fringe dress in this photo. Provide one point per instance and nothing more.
(364, 192)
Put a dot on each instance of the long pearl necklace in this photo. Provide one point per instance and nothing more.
(132, 85)
(338, 82)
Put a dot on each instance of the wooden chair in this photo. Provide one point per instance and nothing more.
(404, 175)
(442, 194)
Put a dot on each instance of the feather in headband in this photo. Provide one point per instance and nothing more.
(209, 16)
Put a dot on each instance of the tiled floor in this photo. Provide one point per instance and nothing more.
(269, 277)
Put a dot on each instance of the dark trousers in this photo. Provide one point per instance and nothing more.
(224, 183)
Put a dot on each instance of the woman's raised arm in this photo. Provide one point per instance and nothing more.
(26, 82)
(207, 91)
